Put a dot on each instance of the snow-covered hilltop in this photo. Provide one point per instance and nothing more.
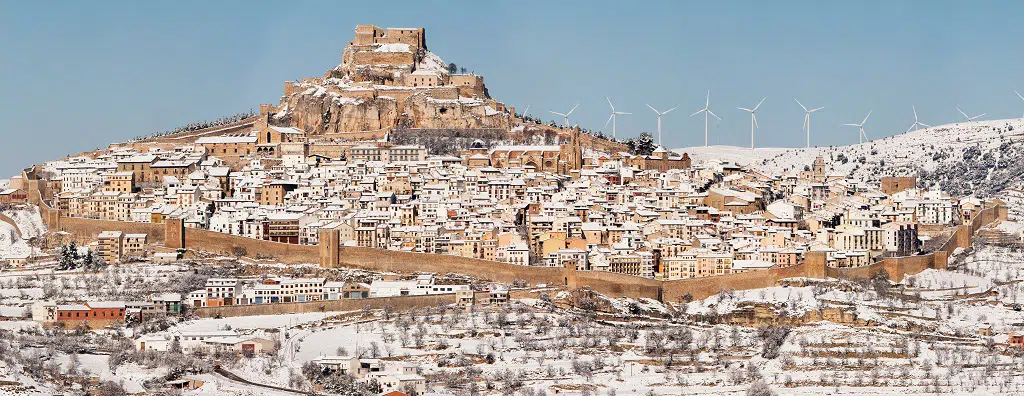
(980, 157)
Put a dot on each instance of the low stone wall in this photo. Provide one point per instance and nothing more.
(614, 284)
(10, 221)
(675, 290)
(390, 260)
(398, 303)
(89, 229)
(896, 267)
(216, 242)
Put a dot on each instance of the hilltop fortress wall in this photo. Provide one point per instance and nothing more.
(331, 254)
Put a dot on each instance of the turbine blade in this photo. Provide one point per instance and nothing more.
(915, 112)
(801, 104)
(715, 115)
(669, 110)
(811, 111)
(866, 118)
(622, 112)
(698, 112)
(1018, 94)
(925, 125)
(745, 109)
(964, 114)
(610, 103)
(573, 109)
(911, 127)
(759, 103)
(652, 108)
(555, 112)
(755, 121)
(609, 120)
(980, 115)
(856, 125)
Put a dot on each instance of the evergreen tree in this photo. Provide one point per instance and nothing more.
(68, 256)
(644, 144)
(89, 261)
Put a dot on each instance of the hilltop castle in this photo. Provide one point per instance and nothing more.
(387, 79)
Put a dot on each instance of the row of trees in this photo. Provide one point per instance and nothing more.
(195, 126)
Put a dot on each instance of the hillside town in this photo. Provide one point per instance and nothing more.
(701, 220)
(391, 229)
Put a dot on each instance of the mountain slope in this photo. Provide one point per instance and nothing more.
(981, 157)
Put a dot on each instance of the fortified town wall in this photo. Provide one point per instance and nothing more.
(331, 254)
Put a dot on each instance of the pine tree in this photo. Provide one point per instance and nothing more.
(68, 256)
(89, 262)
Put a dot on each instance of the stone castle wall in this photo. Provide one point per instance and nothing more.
(370, 58)
(398, 303)
(894, 184)
(88, 229)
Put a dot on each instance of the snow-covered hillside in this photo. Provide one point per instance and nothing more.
(28, 220)
(29, 223)
(983, 155)
(11, 245)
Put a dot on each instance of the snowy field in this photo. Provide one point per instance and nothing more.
(29, 223)
(901, 154)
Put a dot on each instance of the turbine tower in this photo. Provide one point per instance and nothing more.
(807, 120)
(565, 116)
(1019, 96)
(660, 113)
(969, 118)
(916, 122)
(862, 136)
(706, 110)
(612, 117)
(753, 119)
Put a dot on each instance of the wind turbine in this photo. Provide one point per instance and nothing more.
(706, 110)
(916, 122)
(862, 136)
(753, 119)
(807, 120)
(612, 117)
(1018, 95)
(969, 118)
(565, 116)
(527, 110)
(660, 113)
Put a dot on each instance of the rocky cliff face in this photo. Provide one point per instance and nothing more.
(380, 86)
(334, 114)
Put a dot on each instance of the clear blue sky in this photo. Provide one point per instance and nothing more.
(79, 75)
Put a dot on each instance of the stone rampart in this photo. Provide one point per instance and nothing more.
(89, 229)
(11, 221)
(398, 303)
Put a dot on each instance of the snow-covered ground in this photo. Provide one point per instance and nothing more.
(902, 154)
(29, 223)
(28, 220)
(11, 244)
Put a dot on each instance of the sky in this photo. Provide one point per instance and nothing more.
(75, 76)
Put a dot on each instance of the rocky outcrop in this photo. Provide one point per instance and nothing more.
(387, 79)
(332, 113)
